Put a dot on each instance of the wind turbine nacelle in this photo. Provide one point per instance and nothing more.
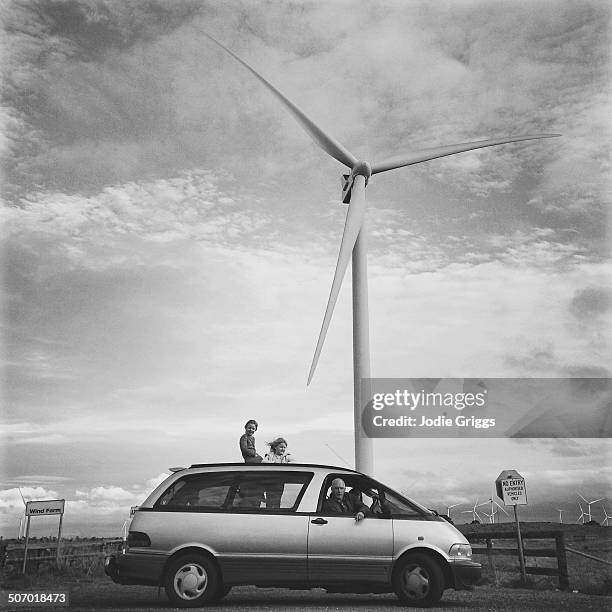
(347, 187)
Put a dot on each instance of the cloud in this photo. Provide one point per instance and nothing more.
(590, 302)
(189, 206)
(138, 97)
(32, 433)
(44, 479)
(156, 480)
(103, 495)
(10, 499)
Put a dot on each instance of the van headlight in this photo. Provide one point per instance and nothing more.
(461, 551)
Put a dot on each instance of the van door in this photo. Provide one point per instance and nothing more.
(342, 550)
(266, 540)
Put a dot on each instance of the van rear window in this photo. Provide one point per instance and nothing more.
(198, 492)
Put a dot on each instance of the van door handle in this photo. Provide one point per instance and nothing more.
(319, 521)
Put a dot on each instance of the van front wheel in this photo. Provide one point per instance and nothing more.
(418, 580)
(191, 581)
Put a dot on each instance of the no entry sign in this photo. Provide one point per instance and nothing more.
(510, 487)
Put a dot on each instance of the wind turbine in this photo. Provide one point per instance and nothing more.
(22, 520)
(606, 516)
(561, 511)
(493, 509)
(474, 512)
(353, 244)
(588, 512)
(581, 514)
(448, 509)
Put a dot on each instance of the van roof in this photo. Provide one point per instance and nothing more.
(275, 466)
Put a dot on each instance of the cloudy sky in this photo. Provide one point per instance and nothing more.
(170, 236)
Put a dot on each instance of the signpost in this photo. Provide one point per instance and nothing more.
(510, 487)
(48, 507)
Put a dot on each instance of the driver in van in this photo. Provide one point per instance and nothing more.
(340, 502)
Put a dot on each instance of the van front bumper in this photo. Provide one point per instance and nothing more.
(465, 573)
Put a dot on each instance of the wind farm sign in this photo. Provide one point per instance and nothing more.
(50, 507)
(47, 507)
(510, 487)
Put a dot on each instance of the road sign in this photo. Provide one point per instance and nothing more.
(48, 507)
(510, 487)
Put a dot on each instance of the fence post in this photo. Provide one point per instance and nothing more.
(562, 561)
(491, 558)
(519, 540)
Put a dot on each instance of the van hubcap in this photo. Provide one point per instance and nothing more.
(190, 581)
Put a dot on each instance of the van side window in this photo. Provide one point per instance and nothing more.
(204, 492)
(362, 489)
(270, 491)
(398, 507)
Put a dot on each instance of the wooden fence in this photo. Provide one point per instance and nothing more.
(87, 555)
(558, 552)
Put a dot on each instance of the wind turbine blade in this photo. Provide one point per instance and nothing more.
(424, 155)
(501, 508)
(580, 494)
(352, 227)
(325, 141)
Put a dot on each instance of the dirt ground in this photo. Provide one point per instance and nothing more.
(101, 595)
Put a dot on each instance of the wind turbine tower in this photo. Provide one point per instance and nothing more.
(353, 244)
(494, 510)
(448, 509)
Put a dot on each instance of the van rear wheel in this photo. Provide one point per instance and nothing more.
(418, 580)
(192, 581)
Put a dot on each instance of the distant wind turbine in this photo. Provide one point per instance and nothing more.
(493, 509)
(448, 509)
(606, 516)
(588, 512)
(561, 511)
(474, 512)
(353, 244)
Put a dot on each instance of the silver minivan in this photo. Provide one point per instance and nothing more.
(213, 526)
